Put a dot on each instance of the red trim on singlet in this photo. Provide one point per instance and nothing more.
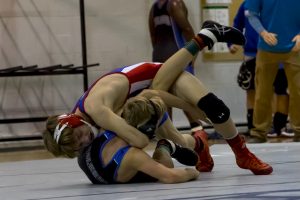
(138, 73)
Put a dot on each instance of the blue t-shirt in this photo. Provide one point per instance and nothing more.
(277, 16)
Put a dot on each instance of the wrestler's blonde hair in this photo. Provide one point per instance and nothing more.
(66, 146)
(139, 109)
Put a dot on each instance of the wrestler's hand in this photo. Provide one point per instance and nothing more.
(296, 39)
(148, 93)
(269, 38)
(192, 173)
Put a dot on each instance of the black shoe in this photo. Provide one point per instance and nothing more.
(183, 155)
(220, 33)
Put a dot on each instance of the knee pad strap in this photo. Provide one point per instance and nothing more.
(214, 108)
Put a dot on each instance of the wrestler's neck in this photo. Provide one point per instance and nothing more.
(83, 116)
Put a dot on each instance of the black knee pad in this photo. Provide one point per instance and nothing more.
(245, 78)
(214, 108)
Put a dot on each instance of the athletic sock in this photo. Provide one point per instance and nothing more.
(196, 44)
(279, 121)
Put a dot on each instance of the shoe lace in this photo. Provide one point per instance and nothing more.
(220, 29)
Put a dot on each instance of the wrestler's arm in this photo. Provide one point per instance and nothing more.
(141, 161)
(151, 26)
(110, 121)
(178, 12)
(99, 105)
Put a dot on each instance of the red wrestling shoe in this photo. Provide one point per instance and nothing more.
(247, 160)
(251, 162)
(206, 162)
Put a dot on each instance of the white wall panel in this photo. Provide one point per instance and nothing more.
(47, 32)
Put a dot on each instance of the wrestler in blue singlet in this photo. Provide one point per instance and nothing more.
(91, 162)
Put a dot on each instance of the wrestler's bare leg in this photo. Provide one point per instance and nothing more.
(191, 89)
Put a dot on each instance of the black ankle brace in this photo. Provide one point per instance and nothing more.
(166, 145)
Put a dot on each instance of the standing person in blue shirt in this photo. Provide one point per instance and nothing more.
(247, 74)
(247, 70)
(278, 24)
(170, 29)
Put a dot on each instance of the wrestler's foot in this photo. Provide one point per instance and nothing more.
(183, 155)
(206, 162)
(216, 32)
(251, 162)
(247, 160)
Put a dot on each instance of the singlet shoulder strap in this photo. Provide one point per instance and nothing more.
(115, 163)
(163, 119)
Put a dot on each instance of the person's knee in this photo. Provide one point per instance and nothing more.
(214, 108)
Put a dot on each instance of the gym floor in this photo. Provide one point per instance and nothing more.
(35, 174)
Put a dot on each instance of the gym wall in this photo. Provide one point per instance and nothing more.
(47, 32)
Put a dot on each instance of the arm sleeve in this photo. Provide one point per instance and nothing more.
(254, 21)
